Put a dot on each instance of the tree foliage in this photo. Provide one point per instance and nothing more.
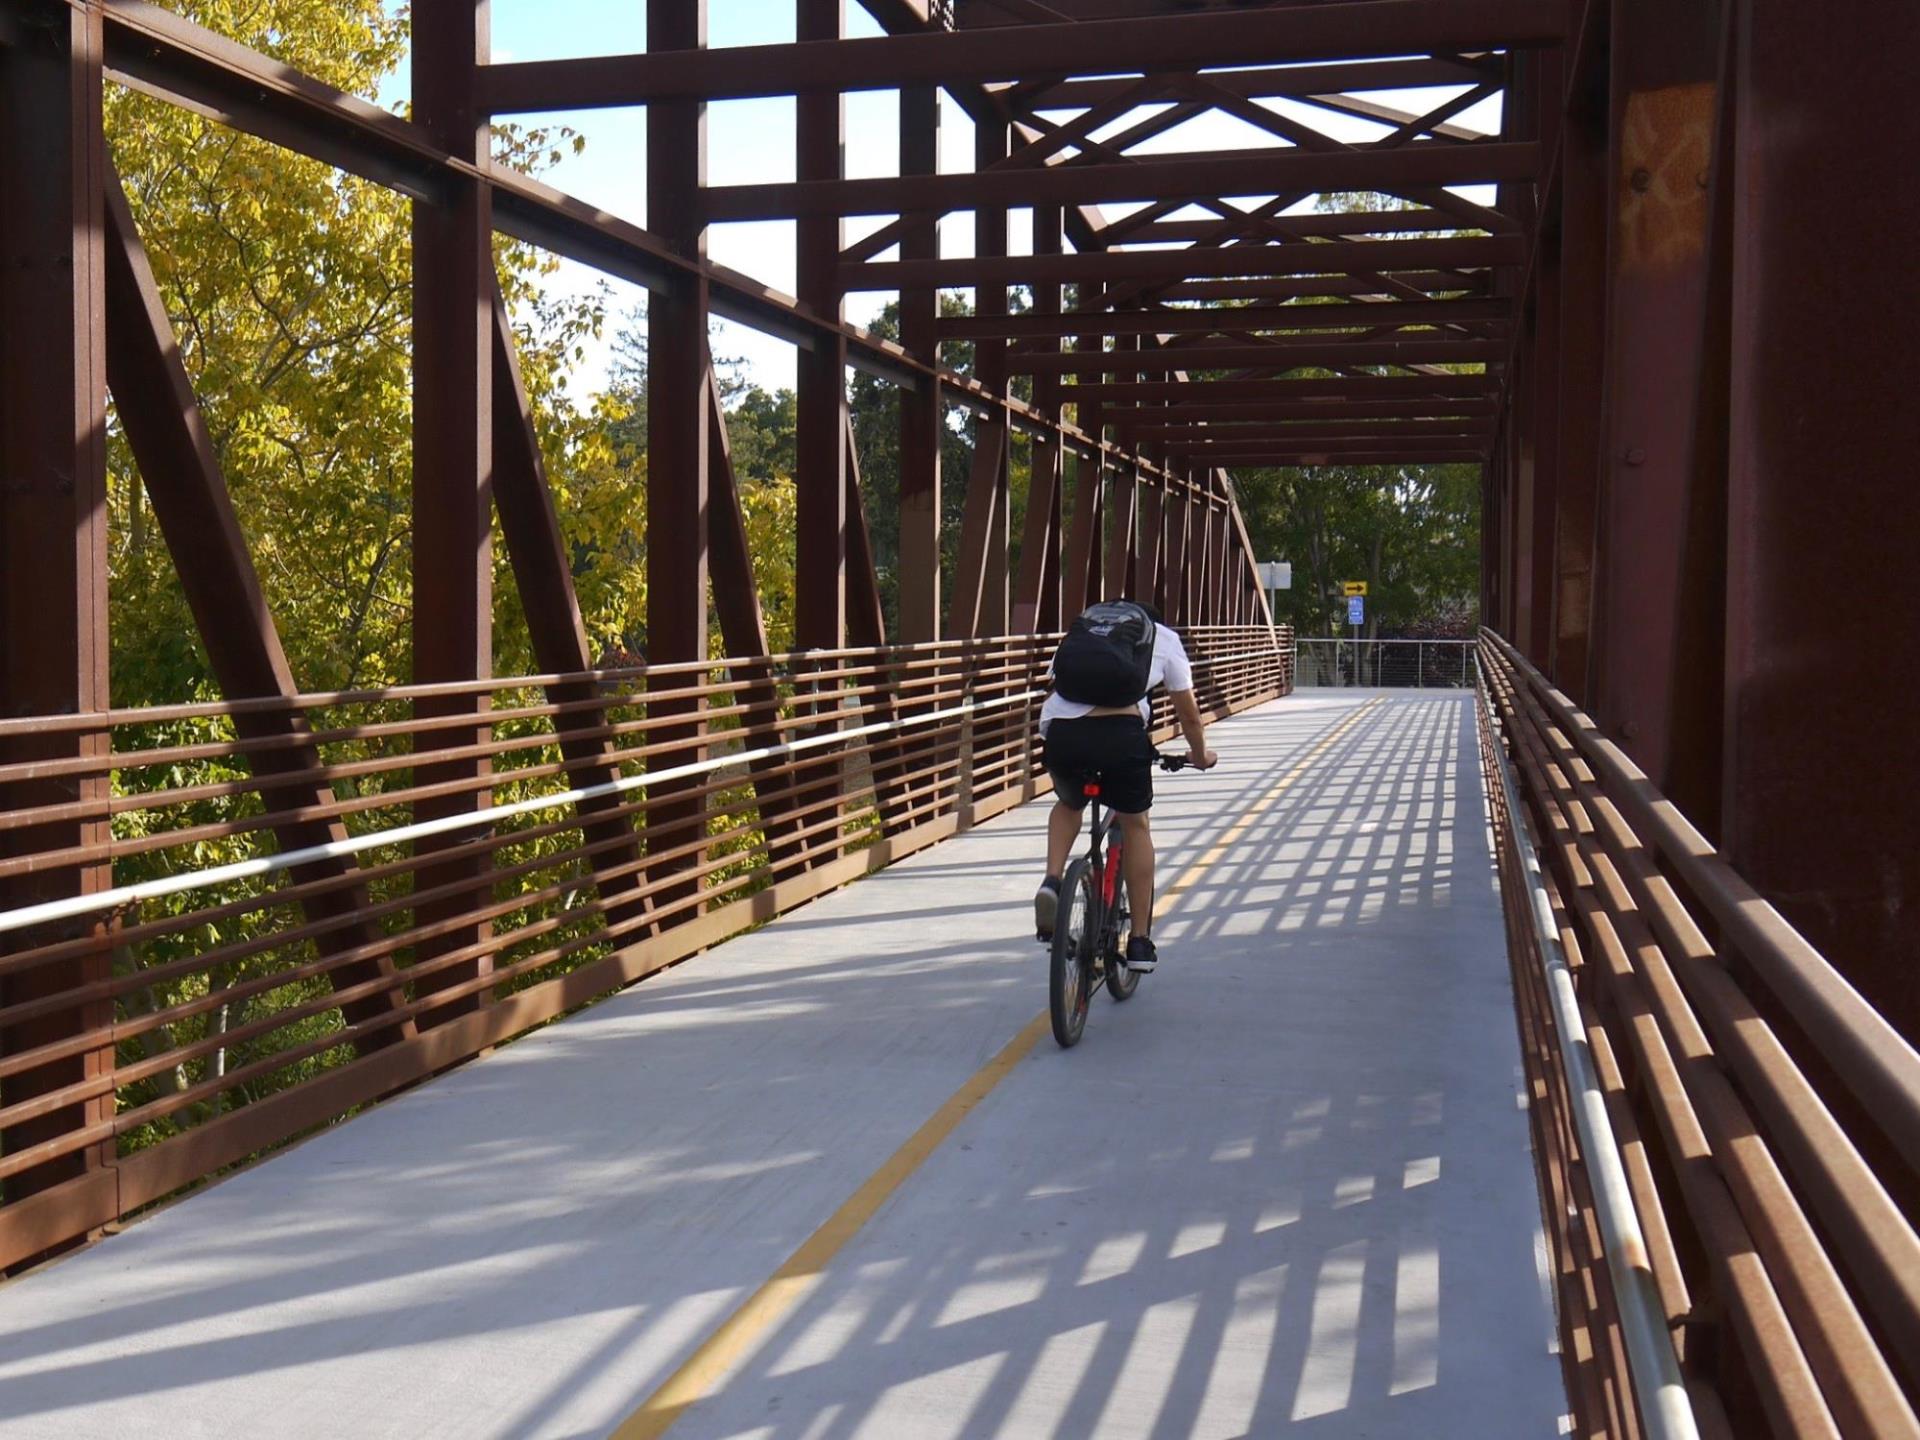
(1411, 532)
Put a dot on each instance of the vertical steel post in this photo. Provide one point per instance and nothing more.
(453, 287)
(1119, 571)
(1663, 106)
(1547, 84)
(990, 148)
(678, 456)
(922, 411)
(1146, 565)
(1037, 595)
(53, 539)
(1582, 263)
(820, 442)
(1822, 769)
(820, 557)
(1082, 561)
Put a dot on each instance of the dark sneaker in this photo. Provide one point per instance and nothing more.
(1046, 905)
(1141, 956)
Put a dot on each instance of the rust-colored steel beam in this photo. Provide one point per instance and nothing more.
(1348, 226)
(820, 548)
(1305, 388)
(1269, 82)
(1252, 417)
(542, 563)
(1238, 319)
(1281, 355)
(1199, 177)
(182, 477)
(679, 457)
(1149, 548)
(168, 56)
(922, 409)
(1122, 506)
(1380, 28)
(736, 603)
(1820, 766)
(171, 57)
(453, 282)
(53, 554)
(1185, 416)
(1036, 593)
(1225, 452)
(1039, 547)
(1080, 566)
(1428, 283)
(1180, 438)
(1259, 460)
(991, 145)
(1663, 111)
(976, 527)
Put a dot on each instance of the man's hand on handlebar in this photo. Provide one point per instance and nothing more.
(1203, 760)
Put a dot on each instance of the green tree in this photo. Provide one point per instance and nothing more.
(288, 285)
(1411, 532)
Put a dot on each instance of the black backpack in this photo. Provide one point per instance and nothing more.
(1107, 657)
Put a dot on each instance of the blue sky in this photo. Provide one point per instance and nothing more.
(751, 141)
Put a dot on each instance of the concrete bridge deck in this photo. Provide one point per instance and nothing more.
(1286, 1189)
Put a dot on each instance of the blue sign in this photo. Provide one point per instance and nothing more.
(1356, 610)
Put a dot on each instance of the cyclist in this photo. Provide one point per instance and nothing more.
(1115, 653)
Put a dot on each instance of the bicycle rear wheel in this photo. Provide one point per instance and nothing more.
(1070, 974)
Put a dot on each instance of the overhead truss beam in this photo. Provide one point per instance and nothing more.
(1355, 31)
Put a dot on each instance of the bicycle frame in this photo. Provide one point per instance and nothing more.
(1104, 858)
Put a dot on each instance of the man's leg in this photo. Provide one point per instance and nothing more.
(1137, 862)
(1062, 826)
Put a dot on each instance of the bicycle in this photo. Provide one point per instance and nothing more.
(1087, 934)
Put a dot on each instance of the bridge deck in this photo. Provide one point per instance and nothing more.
(1288, 1184)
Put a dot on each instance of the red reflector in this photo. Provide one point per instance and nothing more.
(1091, 789)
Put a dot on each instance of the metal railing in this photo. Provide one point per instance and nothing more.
(1767, 1118)
(1390, 664)
(316, 901)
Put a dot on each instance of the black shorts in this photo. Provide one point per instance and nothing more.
(1112, 748)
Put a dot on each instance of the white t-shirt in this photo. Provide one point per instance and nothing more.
(1170, 668)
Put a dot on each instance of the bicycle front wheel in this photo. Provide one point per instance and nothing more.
(1071, 971)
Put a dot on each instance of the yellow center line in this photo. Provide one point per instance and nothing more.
(700, 1374)
(790, 1284)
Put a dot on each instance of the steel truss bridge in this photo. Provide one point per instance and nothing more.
(1680, 797)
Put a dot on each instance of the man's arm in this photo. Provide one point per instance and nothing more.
(1187, 710)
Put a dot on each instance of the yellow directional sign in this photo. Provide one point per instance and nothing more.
(1353, 587)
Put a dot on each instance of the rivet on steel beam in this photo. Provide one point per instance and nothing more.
(1642, 181)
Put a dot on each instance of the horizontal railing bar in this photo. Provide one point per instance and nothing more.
(68, 907)
(1659, 1389)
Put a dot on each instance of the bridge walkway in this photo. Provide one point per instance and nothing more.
(833, 1179)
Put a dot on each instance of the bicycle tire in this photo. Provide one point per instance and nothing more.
(1070, 970)
(1119, 988)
